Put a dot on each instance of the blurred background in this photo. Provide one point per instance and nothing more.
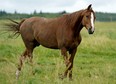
(17, 9)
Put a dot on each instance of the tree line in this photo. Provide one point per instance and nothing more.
(100, 16)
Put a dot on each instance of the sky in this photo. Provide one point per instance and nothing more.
(28, 6)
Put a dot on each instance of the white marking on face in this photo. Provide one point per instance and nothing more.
(92, 21)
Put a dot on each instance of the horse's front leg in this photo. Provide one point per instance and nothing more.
(68, 61)
(70, 66)
(65, 56)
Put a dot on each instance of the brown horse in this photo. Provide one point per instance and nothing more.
(58, 33)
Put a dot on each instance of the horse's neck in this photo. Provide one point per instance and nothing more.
(76, 22)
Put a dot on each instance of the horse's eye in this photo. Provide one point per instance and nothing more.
(87, 16)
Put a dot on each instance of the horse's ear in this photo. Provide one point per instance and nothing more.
(89, 7)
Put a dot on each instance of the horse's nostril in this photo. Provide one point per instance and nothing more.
(90, 31)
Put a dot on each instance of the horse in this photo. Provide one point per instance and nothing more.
(61, 33)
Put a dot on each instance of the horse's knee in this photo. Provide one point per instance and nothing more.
(22, 59)
(30, 58)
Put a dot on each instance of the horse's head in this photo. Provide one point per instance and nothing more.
(88, 19)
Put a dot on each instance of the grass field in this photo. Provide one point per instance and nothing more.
(94, 63)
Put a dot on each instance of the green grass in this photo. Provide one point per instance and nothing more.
(94, 63)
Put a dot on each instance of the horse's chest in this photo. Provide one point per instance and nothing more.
(73, 43)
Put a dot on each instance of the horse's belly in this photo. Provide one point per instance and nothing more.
(49, 44)
(48, 41)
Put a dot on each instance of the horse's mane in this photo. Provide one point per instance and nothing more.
(74, 17)
(73, 20)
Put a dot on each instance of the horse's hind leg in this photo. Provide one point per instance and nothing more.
(27, 53)
(21, 60)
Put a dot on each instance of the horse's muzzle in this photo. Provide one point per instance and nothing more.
(90, 31)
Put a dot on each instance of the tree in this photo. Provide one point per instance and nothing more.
(35, 12)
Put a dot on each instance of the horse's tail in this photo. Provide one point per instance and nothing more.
(14, 26)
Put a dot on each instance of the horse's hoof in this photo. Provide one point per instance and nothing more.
(70, 79)
(61, 76)
(33, 72)
(17, 74)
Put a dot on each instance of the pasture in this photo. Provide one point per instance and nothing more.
(94, 63)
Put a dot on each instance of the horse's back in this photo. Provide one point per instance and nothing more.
(40, 29)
